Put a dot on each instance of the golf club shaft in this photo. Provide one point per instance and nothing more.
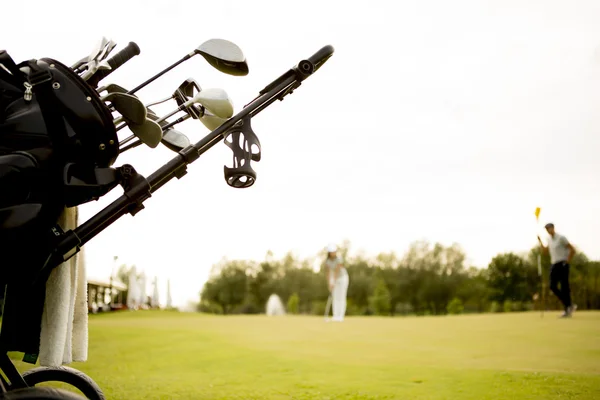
(177, 121)
(180, 108)
(126, 140)
(138, 189)
(131, 146)
(161, 73)
(159, 101)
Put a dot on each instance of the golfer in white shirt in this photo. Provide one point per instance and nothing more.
(338, 280)
(561, 254)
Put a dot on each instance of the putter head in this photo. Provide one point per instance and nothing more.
(149, 133)
(225, 56)
(186, 91)
(130, 107)
(216, 101)
(175, 140)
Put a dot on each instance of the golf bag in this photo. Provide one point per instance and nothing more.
(56, 136)
(58, 142)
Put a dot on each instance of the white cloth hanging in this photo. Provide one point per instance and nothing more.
(64, 331)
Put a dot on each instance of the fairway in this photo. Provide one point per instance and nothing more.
(168, 355)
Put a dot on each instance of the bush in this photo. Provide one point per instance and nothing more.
(293, 303)
(495, 307)
(248, 308)
(517, 306)
(318, 307)
(380, 301)
(209, 308)
(455, 306)
(352, 309)
(508, 306)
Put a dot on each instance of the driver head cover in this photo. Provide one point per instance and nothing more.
(332, 248)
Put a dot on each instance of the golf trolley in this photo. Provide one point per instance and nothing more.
(24, 297)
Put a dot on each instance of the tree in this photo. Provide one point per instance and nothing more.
(455, 306)
(380, 301)
(229, 288)
(292, 304)
(507, 278)
(427, 279)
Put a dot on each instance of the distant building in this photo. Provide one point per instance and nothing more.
(99, 295)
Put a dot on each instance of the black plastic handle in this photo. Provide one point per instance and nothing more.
(321, 56)
(307, 67)
(130, 51)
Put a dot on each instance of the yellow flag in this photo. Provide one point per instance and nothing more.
(537, 212)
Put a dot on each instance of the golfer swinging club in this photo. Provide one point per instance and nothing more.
(338, 280)
(561, 254)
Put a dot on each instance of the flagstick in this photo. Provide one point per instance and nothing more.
(539, 260)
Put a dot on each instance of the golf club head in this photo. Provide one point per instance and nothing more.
(104, 65)
(175, 140)
(114, 88)
(130, 107)
(106, 50)
(100, 45)
(211, 121)
(93, 58)
(186, 91)
(216, 101)
(225, 56)
(154, 117)
(149, 133)
(89, 70)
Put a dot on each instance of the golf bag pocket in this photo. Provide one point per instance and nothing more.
(28, 210)
(17, 173)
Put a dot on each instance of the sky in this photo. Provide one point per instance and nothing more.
(435, 120)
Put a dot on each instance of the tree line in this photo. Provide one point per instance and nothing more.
(429, 279)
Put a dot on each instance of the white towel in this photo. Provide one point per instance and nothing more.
(64, 334)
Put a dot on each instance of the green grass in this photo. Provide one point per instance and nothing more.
(167, 355)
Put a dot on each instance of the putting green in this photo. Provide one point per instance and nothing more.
(166, 355)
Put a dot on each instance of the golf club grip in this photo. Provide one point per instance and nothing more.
(321, 56)
(130, 51)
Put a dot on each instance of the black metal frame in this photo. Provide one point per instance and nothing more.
(137, 188)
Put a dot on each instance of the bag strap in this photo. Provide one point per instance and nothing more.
(9, 71)
(40, 80)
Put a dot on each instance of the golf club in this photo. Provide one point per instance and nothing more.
(112, 88)
(188, 89)
(175, 140)
(78, 66)
(97, 59)
(184, 92)
(149, 132)
(126, 54)
(215, 100)
(130, 107)
(327, 307)
(172, 139)
(210, 121)
(107, 50)
(222, 54)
